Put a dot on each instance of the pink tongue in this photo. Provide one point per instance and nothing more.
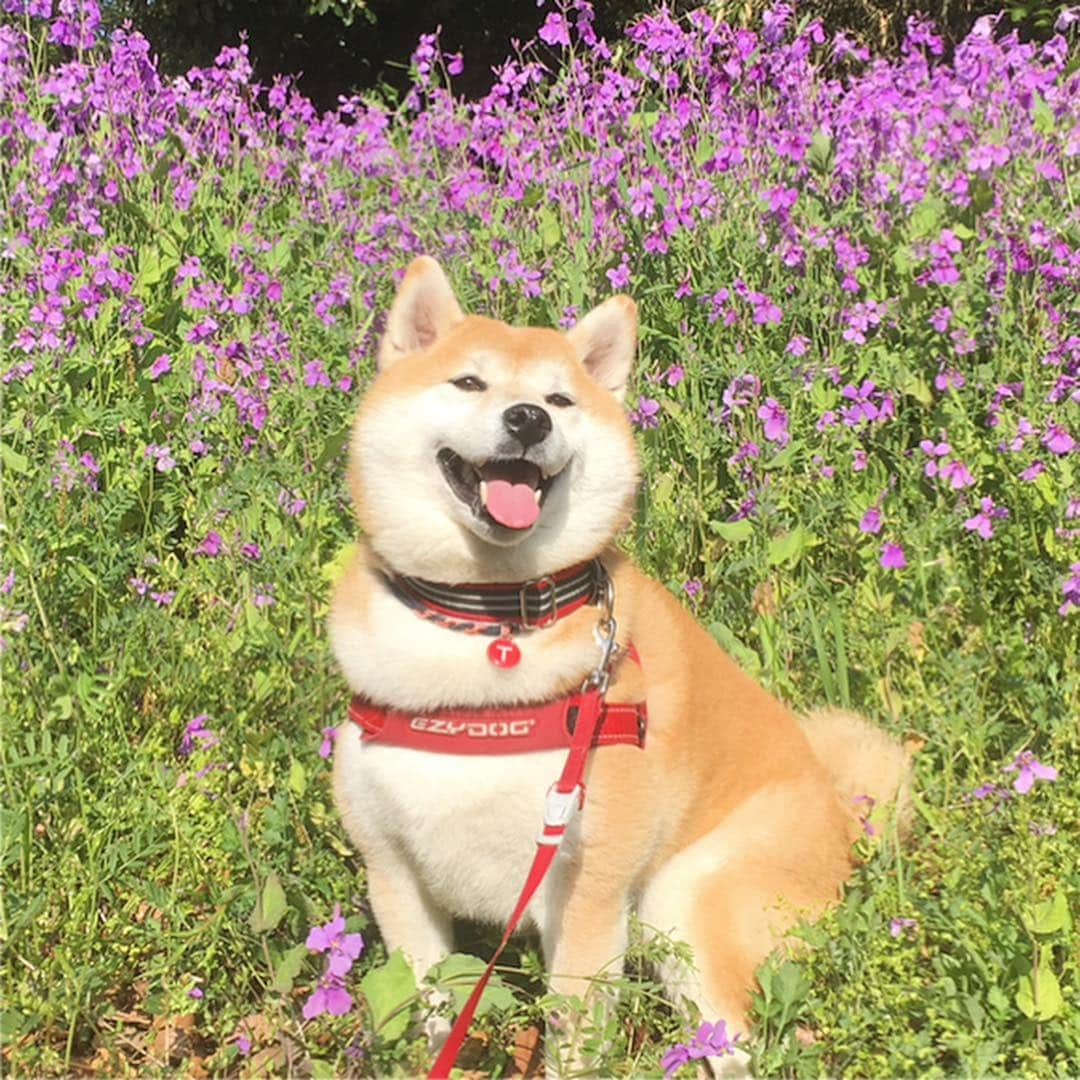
(512, 505)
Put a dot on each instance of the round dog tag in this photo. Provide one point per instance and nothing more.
(504, 653)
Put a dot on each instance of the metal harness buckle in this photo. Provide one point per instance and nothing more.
(548, 600)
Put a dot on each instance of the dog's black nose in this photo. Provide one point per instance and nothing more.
(529, 424)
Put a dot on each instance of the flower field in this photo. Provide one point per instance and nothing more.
(857, 403)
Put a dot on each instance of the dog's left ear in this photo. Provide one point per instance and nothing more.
(604, 341)
(423, 310)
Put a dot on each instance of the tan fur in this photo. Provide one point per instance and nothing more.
(723, 832)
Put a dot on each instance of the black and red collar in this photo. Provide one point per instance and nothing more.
(493, 607)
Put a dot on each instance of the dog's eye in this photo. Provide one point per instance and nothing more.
(469, 383)
(559, 400)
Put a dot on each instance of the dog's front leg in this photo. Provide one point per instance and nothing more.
(584, 938)
(410, 920)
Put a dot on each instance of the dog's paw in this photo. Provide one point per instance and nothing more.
(436, 1025)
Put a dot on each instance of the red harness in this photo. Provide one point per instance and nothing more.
(517, 729)
(575, 723)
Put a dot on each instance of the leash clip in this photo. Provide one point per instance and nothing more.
(600, 676)
(559, 810)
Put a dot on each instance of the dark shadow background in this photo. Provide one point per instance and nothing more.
(334, 58)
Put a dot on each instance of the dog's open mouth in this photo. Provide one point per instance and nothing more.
(508, 492)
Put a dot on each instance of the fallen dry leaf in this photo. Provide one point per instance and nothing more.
(527, 1054)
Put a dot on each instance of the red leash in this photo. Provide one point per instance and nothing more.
(564, 798)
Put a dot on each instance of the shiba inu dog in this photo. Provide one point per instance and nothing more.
(491, 468)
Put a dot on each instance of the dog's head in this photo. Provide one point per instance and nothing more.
(486, 452)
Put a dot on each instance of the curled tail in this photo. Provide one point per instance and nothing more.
(864, 764)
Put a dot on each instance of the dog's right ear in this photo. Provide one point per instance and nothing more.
(423, 310)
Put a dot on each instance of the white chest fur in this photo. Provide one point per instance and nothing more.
(467, 825)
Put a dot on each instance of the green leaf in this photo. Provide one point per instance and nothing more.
(733, 531)
(297, 778)
(277, 258)
(13, 460)
(790, 986)
(790, 547)
(1042, 116)
(271, 906)
(782, 459)
(926, 217)
(338, 563)
(741, 653)
(820, 154)
(661, 489)
(388, 990)
(550, 230)
(1040, 998)
(333, 446)
(458, 974)
(288, 968)
(12, 1024)
(1049, 916)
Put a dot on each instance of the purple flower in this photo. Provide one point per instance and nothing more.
(8, 583)
(197, 736)
(243, 1045)
(619, 276)
(982, 522)
(251, 551)
(556, 30)
(776, 421)
(901, 925)
(940, 319)
(211, 544)
(1071, 588)
(710, 1040)
(1032, 471)
(675, 1059)
(160, 366)
(292, 504)
(195, 993)
(1029, 770)
(162, 456)
(326, 747)
(330, 996)
(674, 375)
(1066, 18)
(646, 415)
(455, 64)
(871, 521)
(343, 950)
(1057, 440)
(315, 374)
(693, 588)
(892, 556)
(955, 471)
(766, 313)
(864, 819)
(331, 936)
